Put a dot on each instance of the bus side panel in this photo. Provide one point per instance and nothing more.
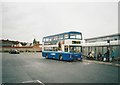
(57, 55)
(66, 56)
(51, 55)
(44, 54)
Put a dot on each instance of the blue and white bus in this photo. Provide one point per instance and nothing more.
(64, 46)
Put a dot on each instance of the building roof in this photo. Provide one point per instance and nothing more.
(117, 34)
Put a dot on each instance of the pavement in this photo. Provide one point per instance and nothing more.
(115, 63)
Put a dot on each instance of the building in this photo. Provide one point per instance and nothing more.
(114, 37)
(7, 45)
(100, 44)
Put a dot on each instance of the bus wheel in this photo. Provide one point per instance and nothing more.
(46, 56)
(60, 57)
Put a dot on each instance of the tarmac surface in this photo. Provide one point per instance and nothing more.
(115, 63)
(18, 68)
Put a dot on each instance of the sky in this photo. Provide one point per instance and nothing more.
(24, 21)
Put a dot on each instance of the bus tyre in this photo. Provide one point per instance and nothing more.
(46, 56)
(60, 57)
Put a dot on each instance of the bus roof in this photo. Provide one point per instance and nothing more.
(75, 32)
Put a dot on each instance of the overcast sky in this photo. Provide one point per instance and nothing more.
(25, 20)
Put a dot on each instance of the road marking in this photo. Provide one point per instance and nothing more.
(34, 81)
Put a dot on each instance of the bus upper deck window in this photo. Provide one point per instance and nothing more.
(60, 36)
(72, 36)
(78, 36)
(47, 39)
(50, 39)
(43, 39)
(65, 36)
(55, 37)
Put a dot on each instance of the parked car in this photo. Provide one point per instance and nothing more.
(14, 51)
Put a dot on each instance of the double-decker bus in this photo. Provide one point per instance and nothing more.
(64, 46)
